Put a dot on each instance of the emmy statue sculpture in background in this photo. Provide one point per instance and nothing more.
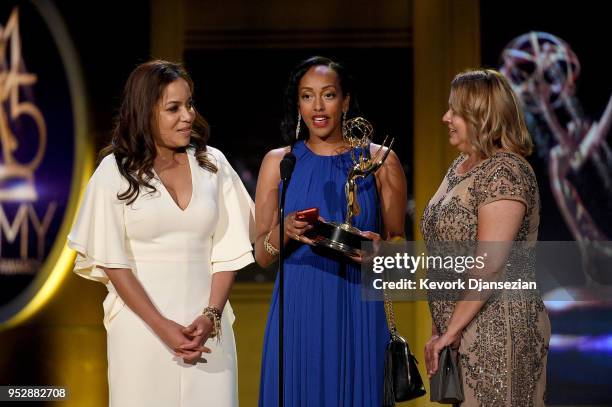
(344, 237)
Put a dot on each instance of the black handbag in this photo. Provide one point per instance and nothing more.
(402, 379)
(445, 383)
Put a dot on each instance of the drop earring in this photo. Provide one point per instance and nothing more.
(343, 127)
(297, 128)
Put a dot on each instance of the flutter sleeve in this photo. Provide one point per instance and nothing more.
(235, 230)
(98, 233)
(507, 177)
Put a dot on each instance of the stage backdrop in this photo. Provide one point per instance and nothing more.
(45, 154)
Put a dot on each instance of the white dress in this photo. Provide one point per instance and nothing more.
(174, 254)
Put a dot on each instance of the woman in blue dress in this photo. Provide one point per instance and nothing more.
(334, 342)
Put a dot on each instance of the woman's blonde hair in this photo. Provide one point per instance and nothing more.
(485, 100)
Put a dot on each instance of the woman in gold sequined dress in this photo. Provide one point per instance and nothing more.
(489, 194)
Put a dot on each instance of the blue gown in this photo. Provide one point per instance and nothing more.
(334, 341)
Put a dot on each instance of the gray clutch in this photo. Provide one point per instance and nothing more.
(445, 384)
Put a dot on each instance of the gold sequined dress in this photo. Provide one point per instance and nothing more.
(502, 356)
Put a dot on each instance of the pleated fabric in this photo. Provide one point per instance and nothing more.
(334, 342)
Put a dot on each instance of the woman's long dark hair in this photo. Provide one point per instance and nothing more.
(290, 99)
(133, 136)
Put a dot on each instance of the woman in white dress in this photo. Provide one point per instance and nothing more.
(164, 224)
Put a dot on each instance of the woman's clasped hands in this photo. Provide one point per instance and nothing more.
(187, 342)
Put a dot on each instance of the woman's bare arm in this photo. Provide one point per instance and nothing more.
(266, 206)
(391, 182)
(134, 295)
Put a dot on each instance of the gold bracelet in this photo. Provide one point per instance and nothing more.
(214, 315)
(268, 246)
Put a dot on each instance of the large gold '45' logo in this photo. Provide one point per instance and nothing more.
(46, 154)
(17, 177)
(12, 78)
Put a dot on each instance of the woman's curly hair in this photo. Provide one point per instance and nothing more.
(133, 136)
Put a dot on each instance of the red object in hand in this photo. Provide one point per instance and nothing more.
(310, 215)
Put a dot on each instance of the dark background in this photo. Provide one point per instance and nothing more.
(576, 375)
(584, 25)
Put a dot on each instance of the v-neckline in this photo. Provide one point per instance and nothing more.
(175, 203)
